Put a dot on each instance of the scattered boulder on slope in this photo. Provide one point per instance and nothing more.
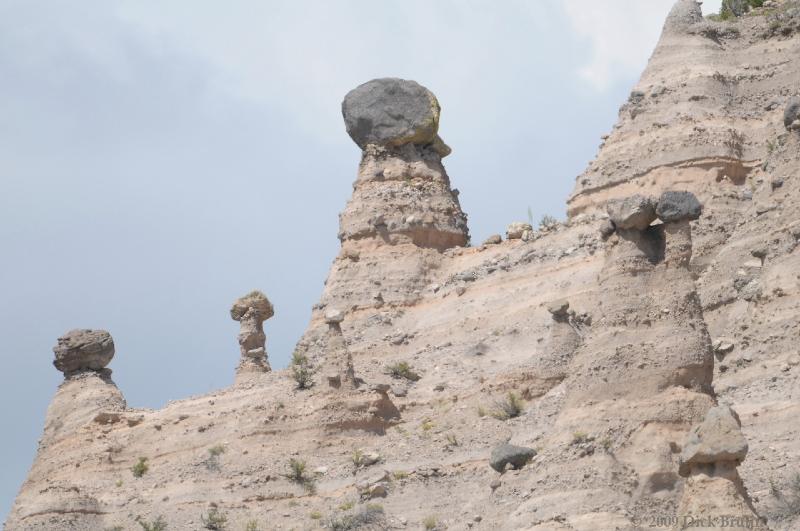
(517, 229)
(508, 454)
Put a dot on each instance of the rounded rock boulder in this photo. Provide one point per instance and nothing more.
(678, 206)
(392, 112)
(83, 349)
(791, 113)
(633, 212)
(256, 300)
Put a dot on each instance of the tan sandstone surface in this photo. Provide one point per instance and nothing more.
(635, 366)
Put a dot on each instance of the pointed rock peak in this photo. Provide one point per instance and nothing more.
(684, 14)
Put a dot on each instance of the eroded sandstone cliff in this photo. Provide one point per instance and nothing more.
(636, 364)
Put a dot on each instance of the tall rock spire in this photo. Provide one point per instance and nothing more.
(402, 193)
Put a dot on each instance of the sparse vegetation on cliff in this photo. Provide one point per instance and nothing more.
(140, 468)
(730, 9)
(302, 371)
(297, 474)
(371, 514)
(159, 524)
(508, 408)
(214, 520)
(402, 369)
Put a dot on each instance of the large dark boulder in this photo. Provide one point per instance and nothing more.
(392, 112)
(678, 206)
(508, 454)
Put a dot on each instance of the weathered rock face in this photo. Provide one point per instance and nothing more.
(588, 341)
(83, 349)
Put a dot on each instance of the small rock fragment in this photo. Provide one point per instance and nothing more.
(494, 239)
(515, 230)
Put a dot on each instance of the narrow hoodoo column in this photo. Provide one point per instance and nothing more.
(714, 495)
(402, 216)
(403, 192)
(251, 311)
(341, 372)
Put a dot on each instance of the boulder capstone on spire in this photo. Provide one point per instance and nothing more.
(403, 193)
(341, 372)
(83, 350)
(251, 311)
(393, 112)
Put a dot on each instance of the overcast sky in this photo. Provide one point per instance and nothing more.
(159, 159)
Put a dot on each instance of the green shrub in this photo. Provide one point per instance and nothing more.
(140, 468)
(214, 520)
(302, 371)
(156, 525)
(297, 474)
(547, 221)
(580, 437)
(430, 523)
(508, 408)
(216, 451)
(452, 440)
(369, 515)
(212, 461)
(252, 525)
(357, 458)
(402, 369)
